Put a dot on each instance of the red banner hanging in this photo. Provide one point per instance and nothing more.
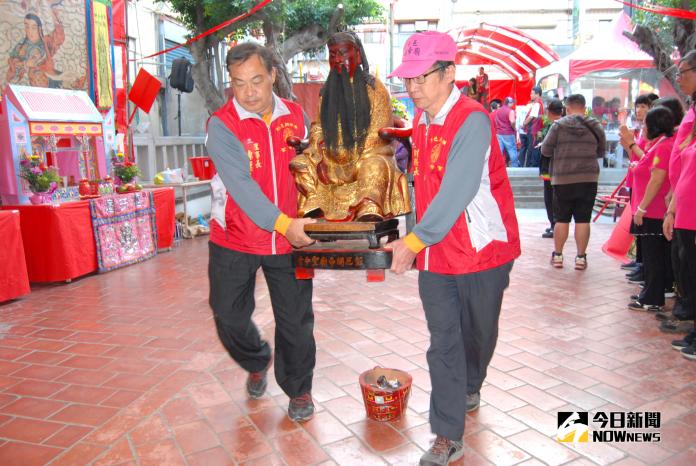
(662, 10)
(260, 5)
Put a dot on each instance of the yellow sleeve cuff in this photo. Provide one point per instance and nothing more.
(282, 224)
(414, 243)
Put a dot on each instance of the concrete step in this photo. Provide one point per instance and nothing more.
(529, 202)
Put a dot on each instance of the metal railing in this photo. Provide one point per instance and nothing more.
(154, 154)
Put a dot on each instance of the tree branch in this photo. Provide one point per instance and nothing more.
(336, 18)
(311, 37)
(648, 41)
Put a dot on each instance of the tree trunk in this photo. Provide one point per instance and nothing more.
(649, 43)
(684, 35)
(201, 73)
(219, 77)
(283, 83)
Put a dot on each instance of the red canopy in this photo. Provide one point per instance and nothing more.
(518, 54)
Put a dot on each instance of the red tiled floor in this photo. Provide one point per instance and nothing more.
(214, 457)
(163, 452)
(29, 430)
(90, 415)
(119, 454)
(68, 436)
(82, 453)
(297, 449)
(26, 454)
(32, 388)
(32, 407)
(195, 436)
(126, 368)
(83, 394)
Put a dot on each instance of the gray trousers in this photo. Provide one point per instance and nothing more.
(462, 312)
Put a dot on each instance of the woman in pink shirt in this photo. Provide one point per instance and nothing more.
(680, 219)
(650, 186)
(633, 142)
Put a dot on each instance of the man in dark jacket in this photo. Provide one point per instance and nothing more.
(573, 144)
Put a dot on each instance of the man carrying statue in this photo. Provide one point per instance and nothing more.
(348, 172)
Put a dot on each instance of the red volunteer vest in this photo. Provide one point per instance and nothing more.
(455, 254)
(269, 160)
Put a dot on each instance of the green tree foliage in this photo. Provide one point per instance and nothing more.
(289, 27)
(659, 36)
(666, 27)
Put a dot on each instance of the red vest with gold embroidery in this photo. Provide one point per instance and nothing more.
(269, 160)
(486, 234)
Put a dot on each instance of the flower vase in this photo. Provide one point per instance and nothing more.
(40, 198)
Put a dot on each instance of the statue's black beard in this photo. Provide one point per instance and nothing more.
(345, 104)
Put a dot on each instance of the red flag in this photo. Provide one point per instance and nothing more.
(144, 90)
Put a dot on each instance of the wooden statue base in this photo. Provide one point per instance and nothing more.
(335, 251)
(371, 231)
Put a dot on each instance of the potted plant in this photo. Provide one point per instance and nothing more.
(125, 173)
(42, 180)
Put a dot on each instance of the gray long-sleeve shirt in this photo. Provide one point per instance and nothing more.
(462, 179)
(232, 164)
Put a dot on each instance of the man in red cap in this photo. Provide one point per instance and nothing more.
(465, 239)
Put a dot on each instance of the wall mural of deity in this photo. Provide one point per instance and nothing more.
(43, 43)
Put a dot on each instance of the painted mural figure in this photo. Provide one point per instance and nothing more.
(33, 56)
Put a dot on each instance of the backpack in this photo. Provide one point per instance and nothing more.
(181, 77)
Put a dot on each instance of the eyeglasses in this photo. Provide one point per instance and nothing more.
(681, 72)
(421, 79)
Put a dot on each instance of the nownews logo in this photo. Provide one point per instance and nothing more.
(622, 427)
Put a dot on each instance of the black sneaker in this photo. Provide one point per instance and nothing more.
(256, 384)
(683, 343)
(631, 266)
(663, 316)
(442, 452)
(676, 326)
(301, 408)
(689, 352)
(473, 401)
(638, 306)
(638, 273)
(548, 233)
(682, 312)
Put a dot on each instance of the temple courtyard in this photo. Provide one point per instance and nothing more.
(125, 368)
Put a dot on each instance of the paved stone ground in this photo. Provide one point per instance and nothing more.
(125, 368)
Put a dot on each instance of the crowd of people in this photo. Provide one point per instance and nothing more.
(662, 179)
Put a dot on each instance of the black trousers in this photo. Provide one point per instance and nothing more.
(679, 285)
(548, 201)
(522, 153)
(462, 312)
(232, 276)
(686, 240)
(657, 266)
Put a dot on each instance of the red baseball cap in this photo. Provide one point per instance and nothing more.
(423, 49)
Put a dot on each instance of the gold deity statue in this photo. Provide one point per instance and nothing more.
(348, 172)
